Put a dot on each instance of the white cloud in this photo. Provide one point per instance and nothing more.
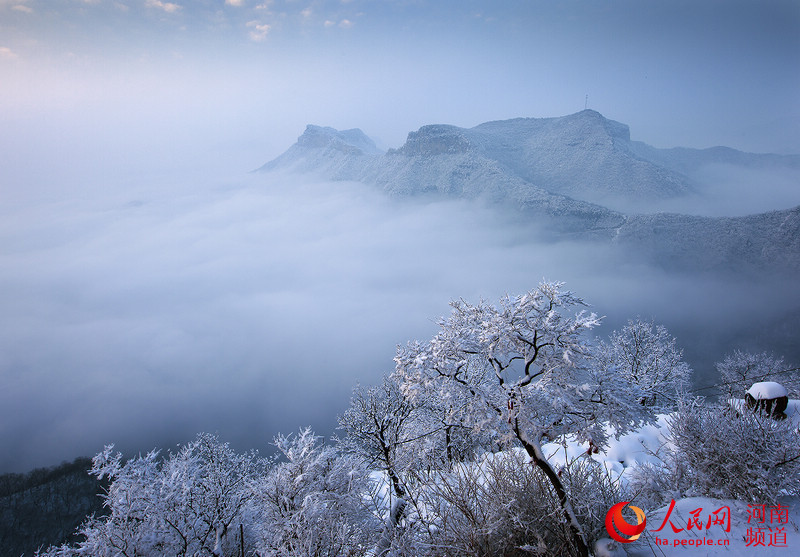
(307, 12)
(7, 54)
(259, 30)
(236, 3)
(22, 8)
(346, 24)
(329, 23)
(168, 7)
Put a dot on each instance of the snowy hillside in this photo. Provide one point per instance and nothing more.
(584, 176)
(438, 160)
(763, 241)
(768, 529)
(584, 156)
(321, 149)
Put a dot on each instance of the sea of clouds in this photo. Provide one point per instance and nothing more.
(144, 312)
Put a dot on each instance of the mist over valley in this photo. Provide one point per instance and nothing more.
(252, 305)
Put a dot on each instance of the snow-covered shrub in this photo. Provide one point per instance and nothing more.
(505, 506)
(651, 485)
(722, 453)
(592, 492)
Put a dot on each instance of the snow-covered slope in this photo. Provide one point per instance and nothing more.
(584, 155)
(749, 533)
(439, 160)
(688, 161)
(576, 172)
(763, 241)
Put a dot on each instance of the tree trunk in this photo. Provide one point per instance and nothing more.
(538, 458)
(448, 443)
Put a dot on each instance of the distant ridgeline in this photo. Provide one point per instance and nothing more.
(580, 174)
(45, 506)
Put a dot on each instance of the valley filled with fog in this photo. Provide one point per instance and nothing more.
(142, 314)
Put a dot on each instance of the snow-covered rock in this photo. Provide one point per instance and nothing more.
(768, 396)
(766, 390)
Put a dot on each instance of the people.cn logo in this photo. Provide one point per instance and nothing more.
(616, 522)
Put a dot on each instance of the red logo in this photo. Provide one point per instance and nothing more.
(615, 521)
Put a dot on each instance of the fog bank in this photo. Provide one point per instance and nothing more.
(147, 313)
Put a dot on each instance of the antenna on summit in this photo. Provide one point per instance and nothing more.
(586, 103)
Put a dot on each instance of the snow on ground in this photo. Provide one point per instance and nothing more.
(644, 445)
(753, 530)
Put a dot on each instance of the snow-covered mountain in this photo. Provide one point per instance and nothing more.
(766, 242)
(578, 170)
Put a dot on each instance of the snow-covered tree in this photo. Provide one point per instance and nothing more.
(211, 485)
(740, 369)
(389, 433)
(647, 358)
(135, 524)
(519, 369)
(378, 428)
(185, 504)
(312, 503)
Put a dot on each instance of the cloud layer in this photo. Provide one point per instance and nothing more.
(251, 306)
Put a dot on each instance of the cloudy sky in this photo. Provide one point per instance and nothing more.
(147, 76)
(151, 289)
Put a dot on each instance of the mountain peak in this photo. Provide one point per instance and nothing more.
(587, 119)
(324, 147)
(436, 139)
(350, 141)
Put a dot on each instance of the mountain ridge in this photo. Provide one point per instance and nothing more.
(574, 171)
(584, 156)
